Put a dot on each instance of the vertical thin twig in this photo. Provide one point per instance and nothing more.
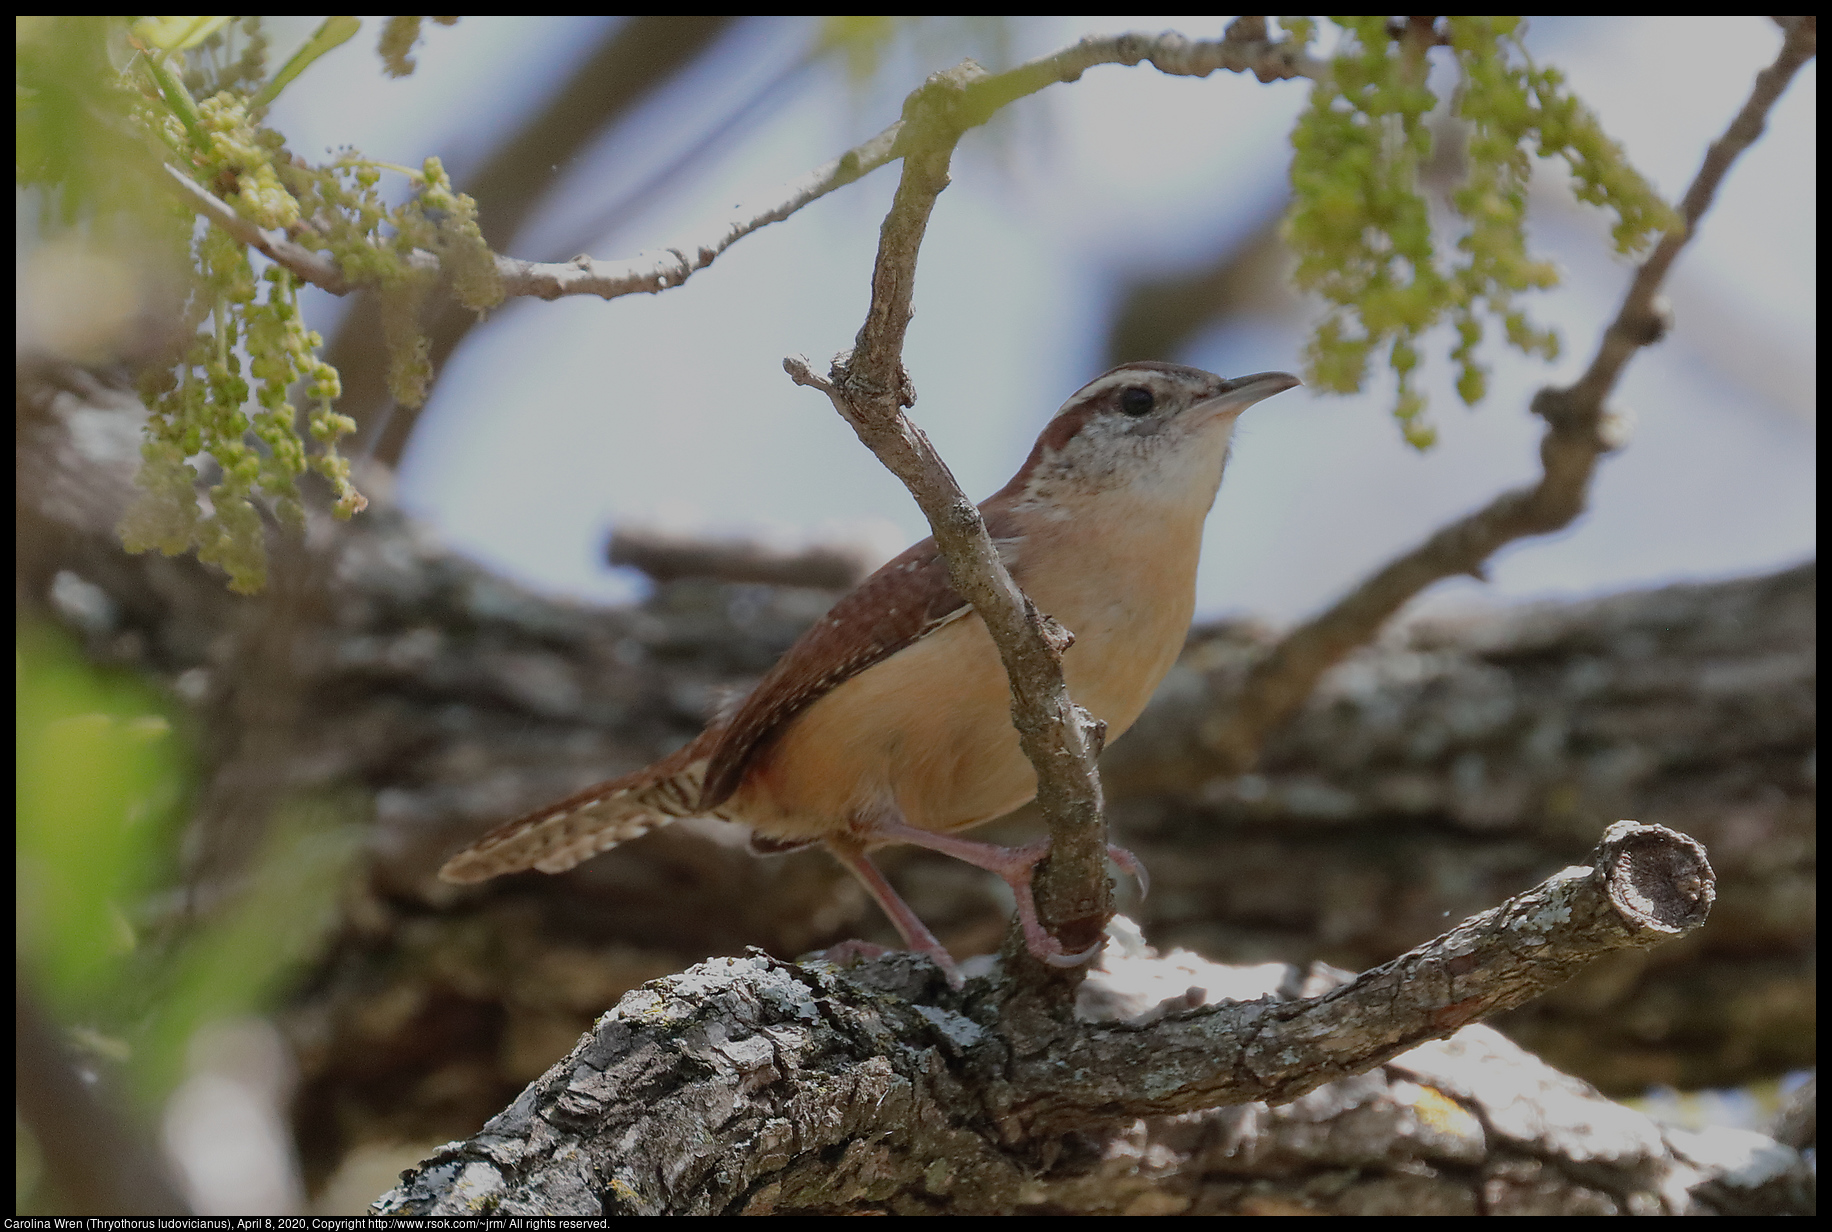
(870, 389)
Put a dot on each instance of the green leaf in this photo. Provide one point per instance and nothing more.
(335, 32)
(177, 33)
(100, 774)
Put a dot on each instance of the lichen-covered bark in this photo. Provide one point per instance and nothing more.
(749, 1086)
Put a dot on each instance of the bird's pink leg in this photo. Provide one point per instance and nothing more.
(1015, 866)
(916, 934)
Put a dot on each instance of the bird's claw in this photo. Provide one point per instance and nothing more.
(1014, 865)
(1130, 864)
(1060, 959)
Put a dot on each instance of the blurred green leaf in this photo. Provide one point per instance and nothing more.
(72, 143)
(335, 32)
(862, 40)
(177, 33)
(239, 961)
(99, 773)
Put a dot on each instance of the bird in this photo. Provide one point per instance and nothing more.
(889, 720)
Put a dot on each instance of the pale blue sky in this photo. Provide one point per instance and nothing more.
(557, 421)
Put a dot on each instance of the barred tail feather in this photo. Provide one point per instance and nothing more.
(565, 833)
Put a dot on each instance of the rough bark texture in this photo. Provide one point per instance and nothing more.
(750, 1086)
(1430, 777)
(1434, 773)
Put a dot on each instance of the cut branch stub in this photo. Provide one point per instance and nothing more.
(1658, 880)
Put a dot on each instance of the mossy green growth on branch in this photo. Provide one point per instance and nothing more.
(195, 90)
(1361, 228)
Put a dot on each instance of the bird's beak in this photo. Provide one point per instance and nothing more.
(1242, 392)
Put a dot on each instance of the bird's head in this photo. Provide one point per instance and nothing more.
(1149, 430)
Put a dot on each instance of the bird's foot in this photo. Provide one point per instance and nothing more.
(1129, 864)
(846, 953)
(1015, 866)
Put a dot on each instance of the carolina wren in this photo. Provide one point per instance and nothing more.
(889, 721)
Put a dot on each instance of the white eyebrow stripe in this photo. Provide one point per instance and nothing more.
(1094, 389)
(1148, 377)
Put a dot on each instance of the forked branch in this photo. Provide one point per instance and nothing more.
(1579, 431)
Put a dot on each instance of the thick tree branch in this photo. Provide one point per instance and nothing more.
(750, 1084)
(1245, 49)
(1578, 434)
(668, 557)
(1644, 885)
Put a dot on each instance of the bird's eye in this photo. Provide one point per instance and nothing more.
(1136, 400)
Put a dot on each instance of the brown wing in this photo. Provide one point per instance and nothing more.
(901, 603)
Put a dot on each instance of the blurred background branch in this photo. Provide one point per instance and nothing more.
(631, 62)
(91, 1163)
(1578, 433)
